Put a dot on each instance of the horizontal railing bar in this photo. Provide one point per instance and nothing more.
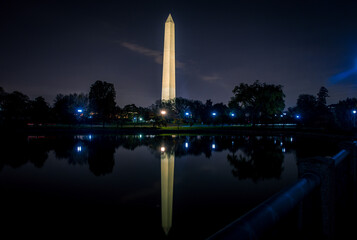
(257, 221)
(340, 156)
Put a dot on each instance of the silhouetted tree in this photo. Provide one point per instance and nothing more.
(260, 100)
(102, 100)
(15, 108)
(40, 111)
(321, 96)
(306, 107)
(65, 107)
(343, 112)
(313, 111)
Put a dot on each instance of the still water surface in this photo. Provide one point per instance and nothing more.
(142, 186)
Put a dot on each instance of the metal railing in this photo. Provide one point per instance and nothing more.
(315, 174)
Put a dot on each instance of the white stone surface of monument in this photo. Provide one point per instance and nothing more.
(168, 64)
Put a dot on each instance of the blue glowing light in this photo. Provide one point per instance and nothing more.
(90, 137)
(354, 111)
(213, 146)
(214, 114)
(186, 113)
(232, 114)
(343, 75)
(79, 110)
(186, 145)
(79, 149)
(283, 150)
(298, 116)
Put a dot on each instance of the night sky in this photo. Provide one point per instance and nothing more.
(51, 47)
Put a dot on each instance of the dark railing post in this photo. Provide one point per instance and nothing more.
(325, 168)
(352, 148)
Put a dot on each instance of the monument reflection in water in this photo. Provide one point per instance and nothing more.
(167, 187)
(89, 179)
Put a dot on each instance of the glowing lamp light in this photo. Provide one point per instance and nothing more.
(232, 114)
(298, 116)
(90, 137)
(140, 119)
(163, 112)
(186, 145)
(214, 114)
(213, 146)
(187, 114)
(283, 150)
(162, 149)
(79, 110)
(79, 149)
(354, 111)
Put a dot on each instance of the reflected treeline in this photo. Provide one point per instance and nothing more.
(259, 159)
(252, 157)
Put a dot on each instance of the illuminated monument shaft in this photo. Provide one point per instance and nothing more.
(168, 65)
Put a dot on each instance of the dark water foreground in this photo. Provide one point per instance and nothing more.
(142, 186)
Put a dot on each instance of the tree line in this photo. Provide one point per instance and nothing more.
(257, 103)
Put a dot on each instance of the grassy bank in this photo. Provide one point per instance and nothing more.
(174, 129)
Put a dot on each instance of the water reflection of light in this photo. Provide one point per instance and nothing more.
(186, 145)
(213, 146)
(283, 150)
(163, 149)
(79, 148)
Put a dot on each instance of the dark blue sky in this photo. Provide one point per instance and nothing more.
(50, 47)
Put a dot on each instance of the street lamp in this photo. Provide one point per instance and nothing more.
(163, 112)
(214, 114)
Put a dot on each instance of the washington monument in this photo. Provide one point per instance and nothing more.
(168, 64)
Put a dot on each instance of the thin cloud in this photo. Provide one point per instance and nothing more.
(156, 55)
(211, 78)
(214, 79)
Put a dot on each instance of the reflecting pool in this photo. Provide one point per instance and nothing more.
(142, 186)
